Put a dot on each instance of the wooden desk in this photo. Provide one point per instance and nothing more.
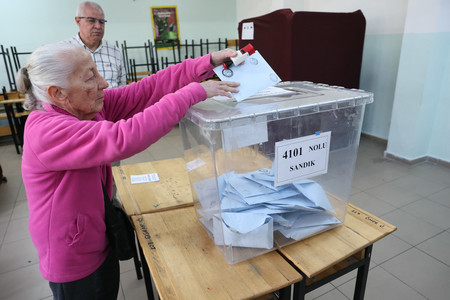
(333, 253)
(173, 189)
(13, 101)
(185, 263)
(183, 259)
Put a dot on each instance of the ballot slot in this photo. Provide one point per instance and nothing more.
(234, 152)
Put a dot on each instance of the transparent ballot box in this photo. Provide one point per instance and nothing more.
(275, 168)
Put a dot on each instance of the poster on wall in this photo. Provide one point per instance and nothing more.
(165, 26)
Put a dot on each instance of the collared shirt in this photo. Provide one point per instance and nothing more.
(108, 59)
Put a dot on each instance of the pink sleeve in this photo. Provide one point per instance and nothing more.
(124, 102)
(63, 142)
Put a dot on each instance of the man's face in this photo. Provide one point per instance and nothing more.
(91, 31)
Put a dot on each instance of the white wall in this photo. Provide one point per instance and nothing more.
(420, 118)
(382, 20)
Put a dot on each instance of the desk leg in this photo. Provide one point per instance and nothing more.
(300, 289)
(137, 266)
(147, 279)
(10, 115)
(363, 272)
(137, 263)
(285, 293)
(20, 127)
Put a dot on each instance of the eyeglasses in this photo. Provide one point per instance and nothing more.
(93, 20)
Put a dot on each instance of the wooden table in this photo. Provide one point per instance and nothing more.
(172, 190)
(185, 263)
(333, 253)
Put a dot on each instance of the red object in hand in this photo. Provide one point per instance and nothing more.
(248, 49)
(242, 55)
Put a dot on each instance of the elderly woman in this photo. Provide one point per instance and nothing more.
(75, 130)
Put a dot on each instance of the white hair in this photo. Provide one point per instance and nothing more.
(48, 65)
(82, 6)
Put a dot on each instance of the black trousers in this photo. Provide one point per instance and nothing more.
(103, 284)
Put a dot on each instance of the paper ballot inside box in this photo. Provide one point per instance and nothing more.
(252, 208)
(256, 233)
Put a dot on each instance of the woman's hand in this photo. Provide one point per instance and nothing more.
(218, 57)
(220, 88)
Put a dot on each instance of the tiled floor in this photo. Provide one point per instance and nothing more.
(412, 263)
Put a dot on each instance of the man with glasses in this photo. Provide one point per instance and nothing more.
(91, 22)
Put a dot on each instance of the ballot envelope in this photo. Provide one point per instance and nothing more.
(275, 168)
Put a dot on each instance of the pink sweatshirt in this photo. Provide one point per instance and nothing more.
(65, 159)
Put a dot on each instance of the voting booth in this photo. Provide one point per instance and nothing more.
(275, 168)
(324, 47)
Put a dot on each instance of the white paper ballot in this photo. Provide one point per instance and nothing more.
(296, 202)
(254, 76)
(248, 188)
(244, 222)
(313, 190)
(312, 219)
(244, 230)
(271, 91)
(270, 197)
(233, 204)
(301, 233)
(135, 179)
